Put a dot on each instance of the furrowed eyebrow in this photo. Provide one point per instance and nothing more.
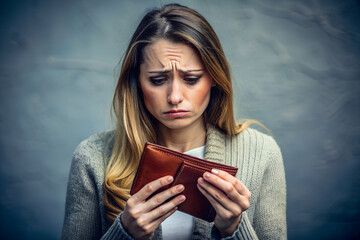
(189, 71)
(160, 72)
(182, 71)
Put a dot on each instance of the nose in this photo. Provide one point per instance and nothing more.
(175, 95)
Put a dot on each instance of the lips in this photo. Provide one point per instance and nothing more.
(177, 113)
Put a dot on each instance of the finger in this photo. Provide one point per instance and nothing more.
(230, 190)
(219, 208)
(227, 183)
(148, 226)
(223, 185)
(164, 208)
(240, 187)
(159, 220)
(161, 197)
(152, 187)
(220, 197)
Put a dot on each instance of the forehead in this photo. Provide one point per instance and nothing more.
(163, 54)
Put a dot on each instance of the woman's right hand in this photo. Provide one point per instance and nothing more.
(141, 217)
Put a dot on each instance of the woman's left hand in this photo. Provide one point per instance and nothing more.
(228, 196)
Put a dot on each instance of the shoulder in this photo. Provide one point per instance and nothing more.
(259, 147)
(94, 149)
(248, 144)
(254, 144)
(254, 138)
(95, 143)
(248, 138)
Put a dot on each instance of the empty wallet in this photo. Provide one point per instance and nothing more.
(157, 161)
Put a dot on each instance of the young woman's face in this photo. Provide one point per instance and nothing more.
(175, 84)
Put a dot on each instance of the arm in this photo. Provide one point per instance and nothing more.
(82, 211)
(140, 218)
(270, 211)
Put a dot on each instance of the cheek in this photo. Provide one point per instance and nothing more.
(147, 99)
(202, 96)
(151, 100)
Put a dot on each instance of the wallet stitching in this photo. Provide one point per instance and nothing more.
(200, 164)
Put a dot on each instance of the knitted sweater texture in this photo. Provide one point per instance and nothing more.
(261, 169)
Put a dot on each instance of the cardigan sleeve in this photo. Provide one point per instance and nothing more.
(270, 211)
(244, 230)
(82, 211)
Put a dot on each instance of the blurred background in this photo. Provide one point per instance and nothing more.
(295, 66)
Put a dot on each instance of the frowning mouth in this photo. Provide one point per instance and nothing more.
(176, 113)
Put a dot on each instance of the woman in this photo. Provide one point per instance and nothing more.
(175, 90)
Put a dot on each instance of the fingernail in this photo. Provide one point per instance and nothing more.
(180, 188)
(182, 198)
(169, 179)
(201, 180)
(214, 171)
(207, 175)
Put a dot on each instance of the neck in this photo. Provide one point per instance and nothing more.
(183, 139)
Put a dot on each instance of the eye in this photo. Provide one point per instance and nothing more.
(157, 81)
(192, 79)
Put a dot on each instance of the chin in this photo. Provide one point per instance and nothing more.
(176, 124)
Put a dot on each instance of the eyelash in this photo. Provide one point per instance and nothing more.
(157, 81)
(192, 80)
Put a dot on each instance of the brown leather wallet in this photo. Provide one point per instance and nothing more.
(157, 161)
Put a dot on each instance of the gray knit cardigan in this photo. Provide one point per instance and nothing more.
(261, 169)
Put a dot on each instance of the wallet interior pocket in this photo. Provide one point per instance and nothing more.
(196, 203)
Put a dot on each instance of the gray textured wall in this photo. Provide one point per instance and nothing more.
(296, 67)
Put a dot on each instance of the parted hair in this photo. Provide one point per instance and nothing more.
(135, 125)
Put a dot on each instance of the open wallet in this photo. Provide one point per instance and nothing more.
(158, 161)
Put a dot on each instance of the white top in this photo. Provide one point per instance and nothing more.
(180, 225)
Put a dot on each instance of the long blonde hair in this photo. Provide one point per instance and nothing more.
(135, 125)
